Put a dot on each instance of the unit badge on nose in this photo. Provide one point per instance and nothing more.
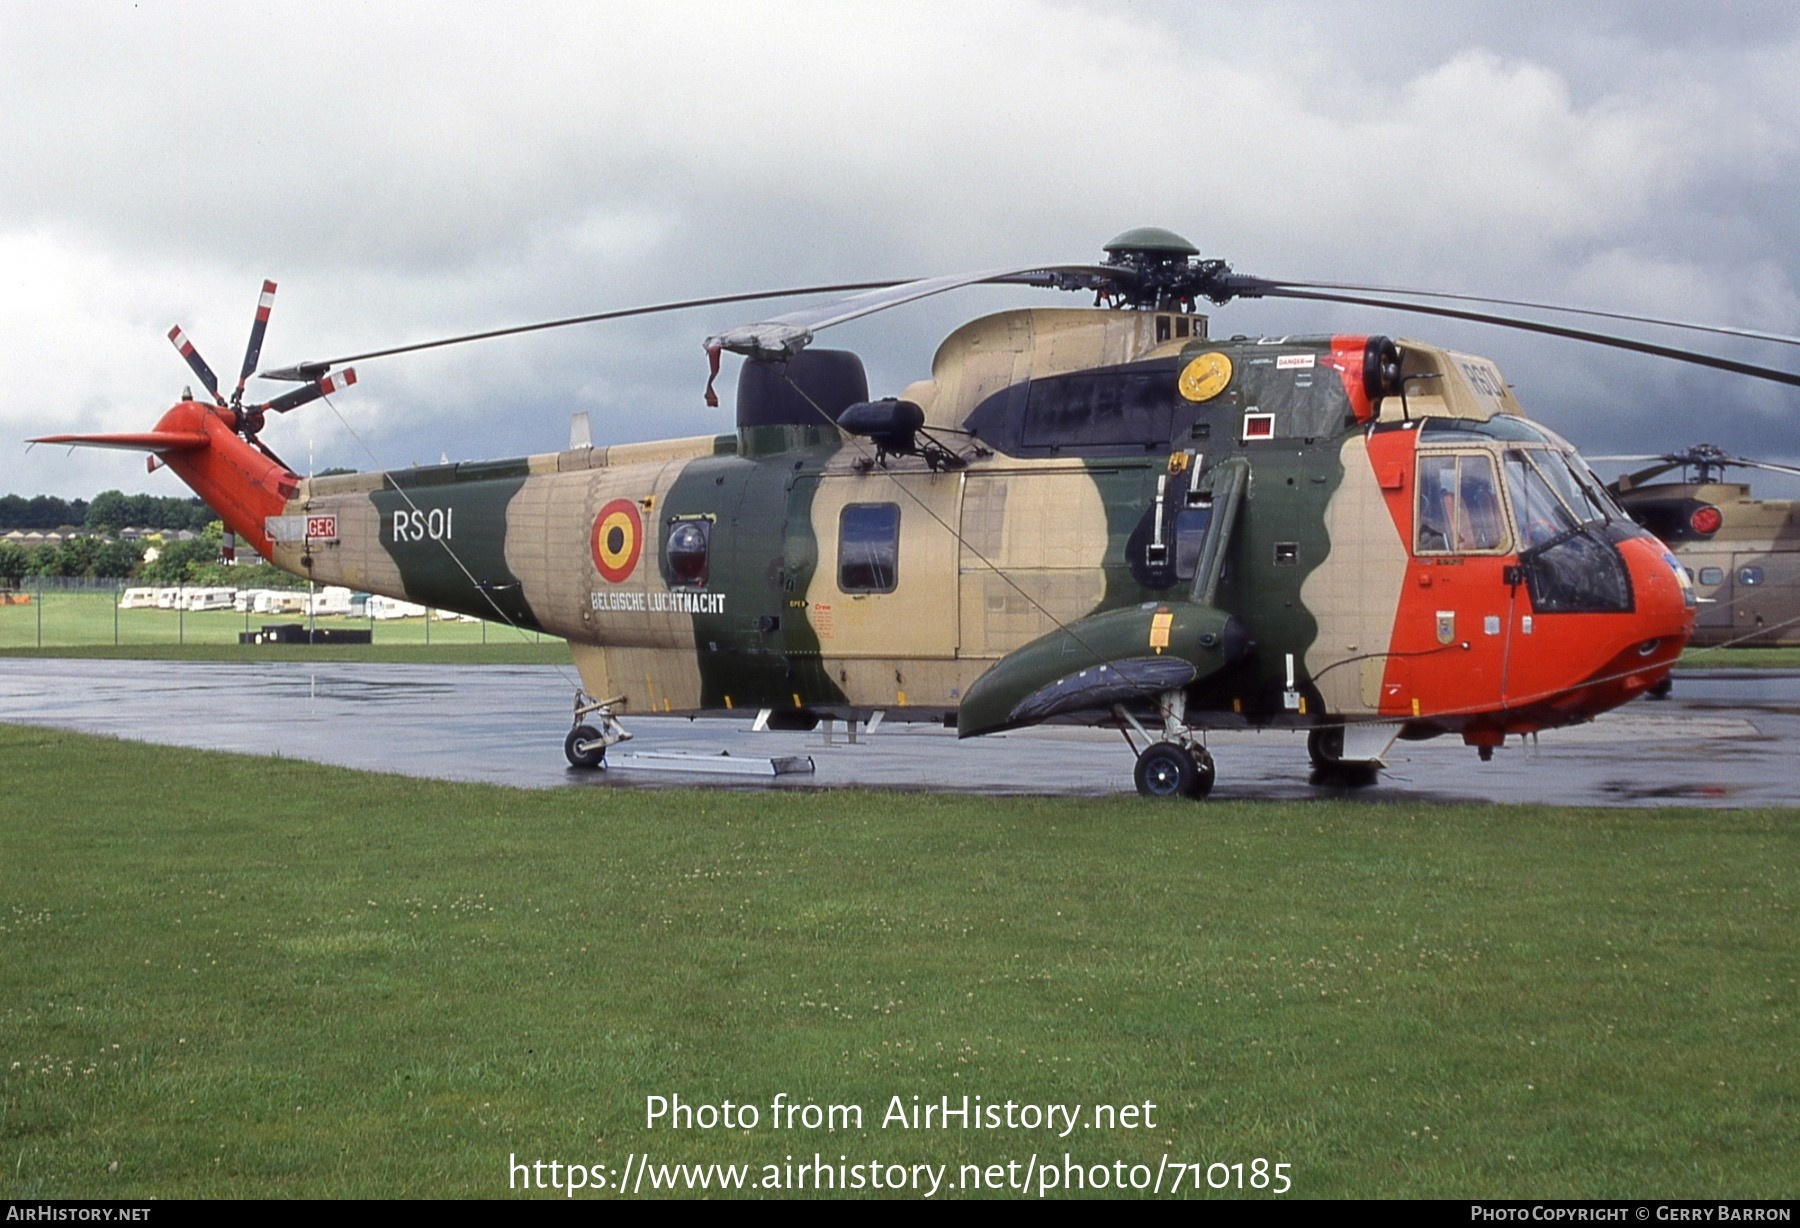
(618, 540)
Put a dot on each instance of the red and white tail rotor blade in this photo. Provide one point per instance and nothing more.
(264, 304)
(186, 348)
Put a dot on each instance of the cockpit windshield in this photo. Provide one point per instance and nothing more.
(1537, 513)
(1596, 489)
(1552, 493)
(1576, 494)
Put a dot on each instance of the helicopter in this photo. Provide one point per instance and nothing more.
(1743, 553)
(1099, 514)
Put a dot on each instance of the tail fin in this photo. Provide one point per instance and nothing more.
(243, 482)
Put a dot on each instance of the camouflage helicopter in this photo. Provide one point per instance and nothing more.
(1743, 553)
(1093, 514)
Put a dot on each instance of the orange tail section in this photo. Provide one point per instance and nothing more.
(242, 482)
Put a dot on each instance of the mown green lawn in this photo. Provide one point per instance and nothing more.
(225, 976)
(1740, 658)
(89, 624)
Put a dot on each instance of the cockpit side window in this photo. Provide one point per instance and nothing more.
(1459, 505)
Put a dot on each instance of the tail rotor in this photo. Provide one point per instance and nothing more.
(248, 420)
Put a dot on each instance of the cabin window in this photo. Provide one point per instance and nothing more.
(1100, 409)
(1712, 575)
(1459, 504)
(869, 548)
(1190, 537)
(1750, 576)
(690, 542)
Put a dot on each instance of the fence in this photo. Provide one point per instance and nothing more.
(65, 612)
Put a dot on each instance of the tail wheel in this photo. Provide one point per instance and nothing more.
(578, 747)
(1169, 769)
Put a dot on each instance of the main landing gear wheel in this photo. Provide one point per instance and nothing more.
(584, 748)
(1325, 747)
(1169, 769)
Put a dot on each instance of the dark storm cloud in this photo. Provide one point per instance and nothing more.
(409, 172)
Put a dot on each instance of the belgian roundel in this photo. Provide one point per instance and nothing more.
(618, 540)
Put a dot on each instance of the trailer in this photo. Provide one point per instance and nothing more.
(383, 608)
(208, 598)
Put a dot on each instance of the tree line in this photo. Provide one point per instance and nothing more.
(193, 562)
(109, 512)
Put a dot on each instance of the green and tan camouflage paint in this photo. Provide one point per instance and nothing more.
(992, 556)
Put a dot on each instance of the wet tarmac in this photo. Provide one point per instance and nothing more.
(1725, 738)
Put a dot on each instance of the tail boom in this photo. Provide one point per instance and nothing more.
(243, 483)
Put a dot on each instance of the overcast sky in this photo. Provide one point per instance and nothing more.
(408, 170)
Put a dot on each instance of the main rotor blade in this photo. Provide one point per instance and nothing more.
(1720, 329)
(186, 349)
(786, 335)
(1702, 457)
(622, 313)
(312, 392)
(1631, 481)
(1771, 466)
(257, 328)
(1257, 287)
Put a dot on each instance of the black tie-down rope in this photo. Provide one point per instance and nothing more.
(450, 550)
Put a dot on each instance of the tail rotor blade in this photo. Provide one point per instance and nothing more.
(261, 325)
(186, 348)
(311, 392)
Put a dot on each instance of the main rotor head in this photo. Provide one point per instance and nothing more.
(1158, 270)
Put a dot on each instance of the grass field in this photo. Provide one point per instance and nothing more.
(1741, 658)
(223, 976)
(89, 624)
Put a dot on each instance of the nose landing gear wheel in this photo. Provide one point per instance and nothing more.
(584, 748)
(1169, 769)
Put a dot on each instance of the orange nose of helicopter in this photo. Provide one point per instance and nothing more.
(1641, 651)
